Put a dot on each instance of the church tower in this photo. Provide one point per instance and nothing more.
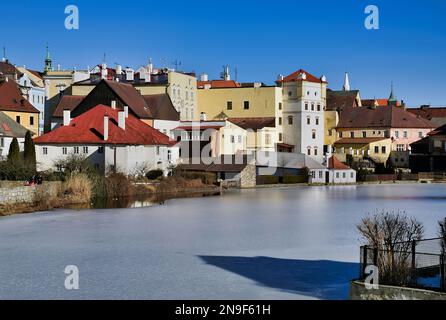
(48, 61)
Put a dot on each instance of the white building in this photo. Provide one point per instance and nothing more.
(339, 173)
(304, 100)
(109, 139)
(33, 88)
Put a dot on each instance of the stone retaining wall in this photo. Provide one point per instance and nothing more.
(358, 291)
(23, 194)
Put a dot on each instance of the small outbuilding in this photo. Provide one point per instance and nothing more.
(339, 172)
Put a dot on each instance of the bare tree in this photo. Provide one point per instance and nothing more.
(442, 234)
(391, 235)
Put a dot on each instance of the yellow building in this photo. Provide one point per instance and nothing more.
(378, 149)
(15, 106)
(238, 102)
(331, 120)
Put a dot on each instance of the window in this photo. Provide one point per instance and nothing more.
(306, 105)
(340, 134)
(364, 134)
(45, 150)
(280, 137)
(376, 149)
(351, 175)
(280, 105)
(239, 139)
(337, 175)
(290, 93)
(313, 134)
(321, 174)
(2, 142)
(397, 134)
(420, 134)
(344, 175)
(17, 119)
(229, 105)
(158, 151)
(308, 93)
(246, 105)
(169, 155)
(405, 134)
(400, 147)
(315, 151)
(330, 132)
(290, 120)
(31, 120)
(64, 150)
(309, 151)
(383, 149)
(280, 121)
(101, 149)
(318, 107)
(267, 138)
(312, 107)
(232, 139)
(315, 94)
(352, 134)
(76, 150)
(85, 150)
(317, 121)
(308, 120)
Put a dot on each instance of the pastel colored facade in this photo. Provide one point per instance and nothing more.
(9, 129)
(34, 87)
(304, 100)
(262, 134)
(377, 149)
(239, 102)
(15, 106)
(110, 139)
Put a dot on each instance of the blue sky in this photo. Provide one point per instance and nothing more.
(261, 38)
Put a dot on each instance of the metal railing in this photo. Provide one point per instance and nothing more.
(416, 264)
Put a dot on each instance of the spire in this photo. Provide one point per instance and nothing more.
(346, 86)
(392, 95)
(48, 61)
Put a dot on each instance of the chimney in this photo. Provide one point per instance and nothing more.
(66, 117)
(121, 119)
(104, 71)
(126, 111)
(118, 69)
(204, 77)
(203, 116)
(113, 104)
(105, 128)
(129, 74)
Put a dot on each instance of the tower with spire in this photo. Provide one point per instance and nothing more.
(48, 61)
(346, 86)
(393, 101)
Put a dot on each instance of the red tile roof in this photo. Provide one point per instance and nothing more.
(295, 77)
(371, 102)
(67, 103)
(11, 98)
(334, 163)
(88, 128)
(340, 100)
(254, 123)
(386, 117)
(429, 113)
(218, 84)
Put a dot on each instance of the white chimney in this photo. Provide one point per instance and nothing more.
(113, 104)
(204, 77)
(126, 111)
(203, 116)
(129, 74)
(105, 128)
(121, 119)
(66, 117)
(104, 71)
(118, 69)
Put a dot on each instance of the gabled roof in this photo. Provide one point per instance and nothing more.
(11, 98)
(335, 164)
(254, 123)
(385, 117)
(10, 128)
(340, 100)
(131, 97)
(67, 103)
(297, 76)
(88, 128)
(429, 112)
(8, 69)
(371, 102)
(161, 107)
(440, 131)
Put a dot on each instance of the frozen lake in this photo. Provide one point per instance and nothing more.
(288, 243)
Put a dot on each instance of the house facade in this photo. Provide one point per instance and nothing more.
(339, 173)
(110, 139)
(429, 154)
(9, 129)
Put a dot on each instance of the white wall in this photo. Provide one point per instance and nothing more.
(317, 175)
(5, 142)
(36, 97)
(342, 176)
(166, 126)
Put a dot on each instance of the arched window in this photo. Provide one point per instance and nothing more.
(315, 151)
(308, 120)
(313, 134)
(309, 151)
(317, 121)
(290, 120)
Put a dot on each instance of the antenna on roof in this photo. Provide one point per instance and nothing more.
(177, 64)
(104, 59)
